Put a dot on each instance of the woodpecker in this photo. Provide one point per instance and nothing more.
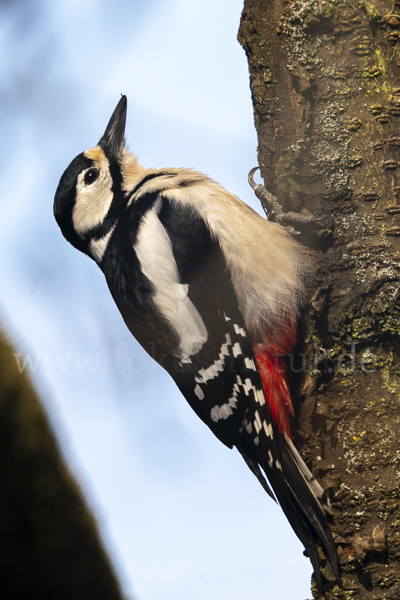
(211, 290)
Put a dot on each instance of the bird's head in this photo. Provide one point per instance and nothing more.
(91, 189)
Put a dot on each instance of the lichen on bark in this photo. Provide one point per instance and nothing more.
(326, 93)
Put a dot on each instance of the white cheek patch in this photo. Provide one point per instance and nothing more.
(154, 251)
(92, 202)
(98, 247)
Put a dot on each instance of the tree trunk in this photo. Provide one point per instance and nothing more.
(49, 545)
(326, 95)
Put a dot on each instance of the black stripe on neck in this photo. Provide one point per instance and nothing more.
(139, 209)
(121, 199)
(149, 177)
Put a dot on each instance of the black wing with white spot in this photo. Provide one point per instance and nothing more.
(221, 379)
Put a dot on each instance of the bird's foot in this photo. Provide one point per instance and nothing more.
(275, 211)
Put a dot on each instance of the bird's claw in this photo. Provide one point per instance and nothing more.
(272, 207)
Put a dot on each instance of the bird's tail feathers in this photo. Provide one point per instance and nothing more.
(306, 509)
(315, 488)
(301, 498)
(255, 468)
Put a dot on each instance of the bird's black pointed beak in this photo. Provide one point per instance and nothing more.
(113, 139)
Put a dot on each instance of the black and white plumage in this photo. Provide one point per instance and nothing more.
(211, 291)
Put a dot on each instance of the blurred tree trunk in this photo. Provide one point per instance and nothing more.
(49, 545)
(326, 95)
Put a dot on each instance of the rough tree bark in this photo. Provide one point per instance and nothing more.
(326, 94)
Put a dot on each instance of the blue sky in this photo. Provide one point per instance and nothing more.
(181, 515)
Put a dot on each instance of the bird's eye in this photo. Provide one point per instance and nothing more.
(91, 176)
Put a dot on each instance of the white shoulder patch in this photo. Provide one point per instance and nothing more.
(154, 251)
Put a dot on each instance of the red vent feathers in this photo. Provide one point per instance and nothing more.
(273, 367)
